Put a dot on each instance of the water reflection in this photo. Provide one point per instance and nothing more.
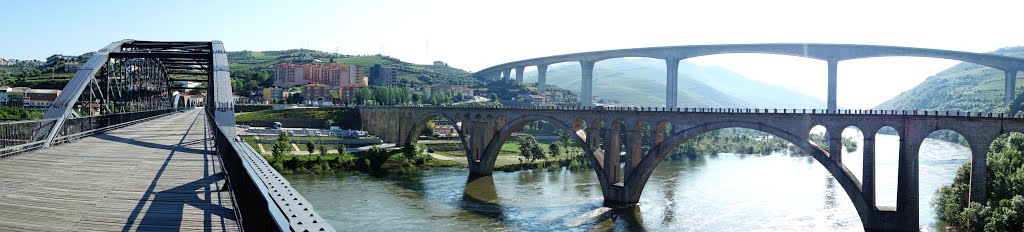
(702, 193)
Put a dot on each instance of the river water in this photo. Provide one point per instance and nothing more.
(777, 192)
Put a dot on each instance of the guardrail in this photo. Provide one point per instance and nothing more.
(265, 200)
(21, 136)
(80, 127)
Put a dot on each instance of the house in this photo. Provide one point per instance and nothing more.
(273, 95)
(537, 99)
(347, 94)
(40, 98)
(316, 94)
(462, 90)
(71, 67)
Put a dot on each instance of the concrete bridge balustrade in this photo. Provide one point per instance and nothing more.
(483, 131)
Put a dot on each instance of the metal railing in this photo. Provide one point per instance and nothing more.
(80, 127)
(265, 200)
(22, 136)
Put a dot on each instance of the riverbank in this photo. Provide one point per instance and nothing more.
(359, 161)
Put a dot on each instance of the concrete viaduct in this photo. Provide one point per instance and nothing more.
(830, 53)
(484, 130)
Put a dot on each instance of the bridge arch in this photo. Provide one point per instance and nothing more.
(421, 121)
(658, 154)
(504, 133)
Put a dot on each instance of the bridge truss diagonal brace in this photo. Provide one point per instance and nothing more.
(61, 107)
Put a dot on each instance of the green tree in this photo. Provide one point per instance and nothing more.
(322, 148)
(310, 146)
(282, 146)
(529, 148)
(374, 158)
(494, 97)
(1004, 210)
(428, 130)
(555, 149)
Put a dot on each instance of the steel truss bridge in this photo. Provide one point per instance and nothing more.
(122, 149)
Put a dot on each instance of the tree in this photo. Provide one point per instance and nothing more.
(1004, 210)
(282, 146)
(322, 148)
(428, 130)
(555, 149)
(375, 158)
(529, 148)
(494, 97)
(310, 146)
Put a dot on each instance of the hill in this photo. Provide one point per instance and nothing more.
(642, 82)
(963, 87)
(252, 70)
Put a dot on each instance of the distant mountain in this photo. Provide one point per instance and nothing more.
(963, 87)
(641, 82)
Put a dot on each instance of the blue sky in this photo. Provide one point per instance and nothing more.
(476, 34)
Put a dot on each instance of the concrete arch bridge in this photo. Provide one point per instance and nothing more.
(482, 132)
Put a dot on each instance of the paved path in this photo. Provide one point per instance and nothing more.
(157, 175)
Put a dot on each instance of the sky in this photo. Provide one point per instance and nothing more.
(473, 35)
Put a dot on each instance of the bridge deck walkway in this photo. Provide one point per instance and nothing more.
(156, 175)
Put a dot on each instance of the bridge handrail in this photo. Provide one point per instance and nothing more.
(915, 112)
(21, 136)
(74, 128)
(265, 198)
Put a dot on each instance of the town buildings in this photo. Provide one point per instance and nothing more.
(24, 97)
(383, 75)
(347, 94)
(333, 75)
(273, 95)
(316, 94)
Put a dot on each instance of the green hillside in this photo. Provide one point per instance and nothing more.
(964, 87)
(641, 82)
(253, 70)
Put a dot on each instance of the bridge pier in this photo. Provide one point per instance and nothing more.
(868, 182)
(542, 78)
(505, 75)
(1010, 85)
(833, 65)
(587, 88)
(672, 82)
(519, 74)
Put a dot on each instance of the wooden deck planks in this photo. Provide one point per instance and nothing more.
(157, 175)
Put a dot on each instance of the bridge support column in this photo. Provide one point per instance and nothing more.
(519, 74)
(611, 155)
(542, 78)
(1011, 86)
(634, 150)
(868, 182)
(835, 146)
(907, 181)
(980, 144)
(672, 82)
(978, 184)
(833, 65)
(587, 88)
(505, 75)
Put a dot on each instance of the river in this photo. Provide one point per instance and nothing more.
(732, 192)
